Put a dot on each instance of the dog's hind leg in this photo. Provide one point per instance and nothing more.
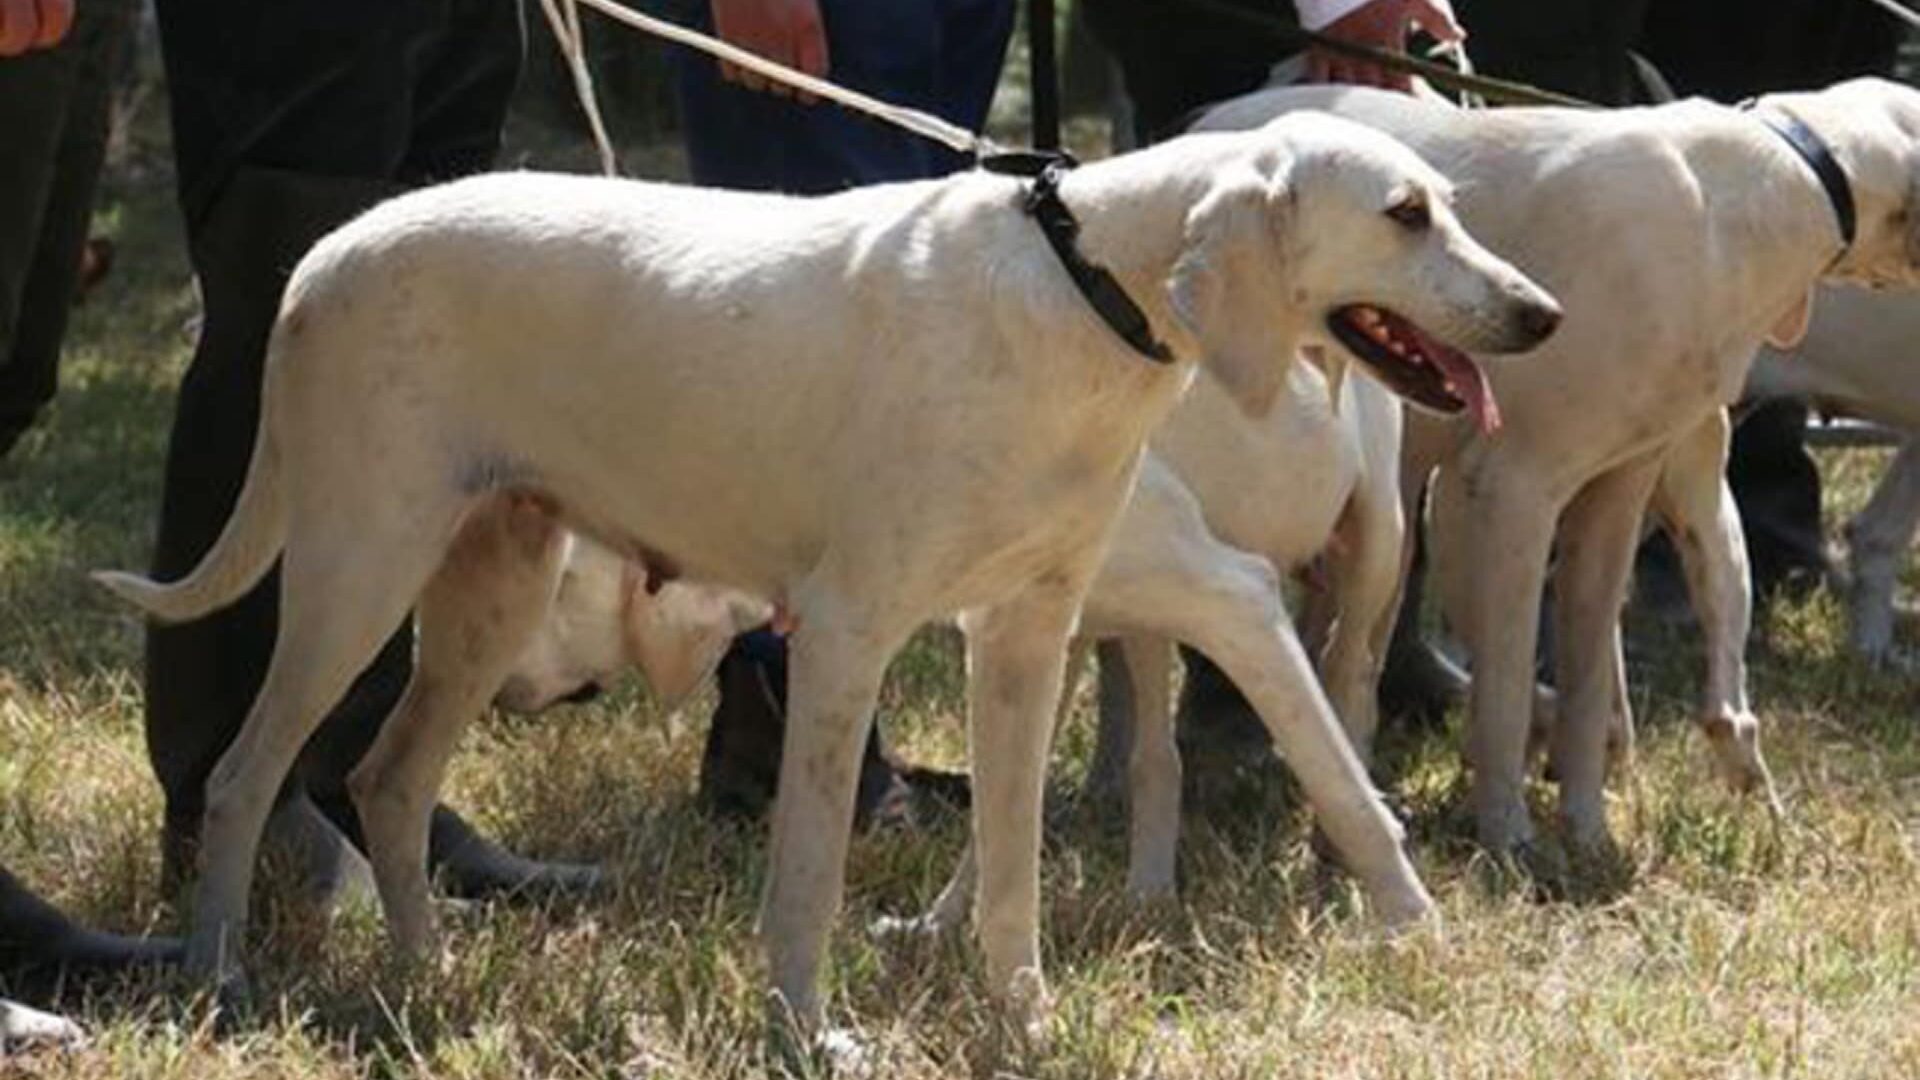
(1598, 535)
(491, 591)
(1698, 508)
(1878, 539)
(350, 573)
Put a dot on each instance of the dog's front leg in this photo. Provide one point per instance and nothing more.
(1235, 616)
(1491, 536)
(1598, 535)
(1015, 655)
(1698, 508)
(838, 657)
(1877, 540)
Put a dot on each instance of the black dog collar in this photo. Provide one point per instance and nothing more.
(1814, 151)
(1061, 228)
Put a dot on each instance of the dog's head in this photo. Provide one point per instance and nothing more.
(1332, 233)
(1872, 127)
(604, 620)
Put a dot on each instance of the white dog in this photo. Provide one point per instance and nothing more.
(1860, 358)
(1678, 237)
(873, 409)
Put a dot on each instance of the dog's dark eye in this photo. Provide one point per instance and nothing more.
(1410, 214)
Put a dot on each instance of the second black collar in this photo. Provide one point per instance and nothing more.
(1813, 150)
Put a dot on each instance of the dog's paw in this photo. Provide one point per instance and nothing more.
(22, 1028)
(904, 930)
(1403, 906)
(834, 1052)
(1734, 738)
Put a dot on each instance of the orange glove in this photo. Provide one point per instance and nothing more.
(1383, 24)
(788, 32)
(33, 24)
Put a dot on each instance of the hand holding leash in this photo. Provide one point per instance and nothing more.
(1380, 24)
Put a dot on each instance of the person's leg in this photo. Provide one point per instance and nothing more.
(201, 676)
(1175, 59)
(1577, 47)
(465, 86)
(54, 109)
(1777, 487)
(272, 157)
(39, 945)
(973, 49)
(750, 140)
(741, 765)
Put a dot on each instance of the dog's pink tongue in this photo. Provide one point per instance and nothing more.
(1469, 382)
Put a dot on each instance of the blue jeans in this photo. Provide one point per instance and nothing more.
(940, 56)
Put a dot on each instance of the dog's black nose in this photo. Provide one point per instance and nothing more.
(587, 692)
(1538, 321)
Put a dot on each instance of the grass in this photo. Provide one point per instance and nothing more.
(1734, 949)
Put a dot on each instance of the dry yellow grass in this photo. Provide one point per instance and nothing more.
(1732, 948)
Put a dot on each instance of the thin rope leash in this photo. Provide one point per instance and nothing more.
(563, 17)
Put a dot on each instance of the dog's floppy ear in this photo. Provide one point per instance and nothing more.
(1226, 290)
(1790, 329)
(677, 635)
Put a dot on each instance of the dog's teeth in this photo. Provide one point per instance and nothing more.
(1366, 316)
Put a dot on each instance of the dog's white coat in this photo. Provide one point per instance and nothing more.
(1861, 357)
(872, 409)
(1677, 237)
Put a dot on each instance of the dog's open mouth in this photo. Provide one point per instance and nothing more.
(1416, 365)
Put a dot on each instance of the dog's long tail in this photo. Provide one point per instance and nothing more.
(254, 534)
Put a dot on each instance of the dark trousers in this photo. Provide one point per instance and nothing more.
(289, 118)
(1176, 59)
(53, 137)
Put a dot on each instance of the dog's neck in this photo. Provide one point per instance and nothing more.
(1779, 225)
(1133, 223)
